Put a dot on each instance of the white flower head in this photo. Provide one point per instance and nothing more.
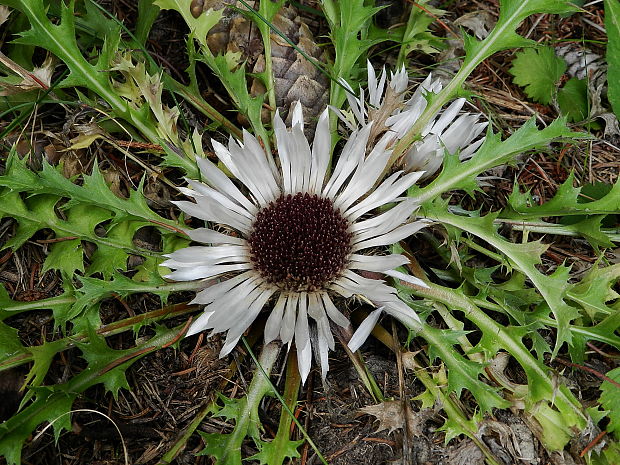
(295, 238)
(392, 116)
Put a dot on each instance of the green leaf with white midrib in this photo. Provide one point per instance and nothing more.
(60, 40)
(542, 387)
(565, 202)
(93, 191)
(524, 257)
(501, 37)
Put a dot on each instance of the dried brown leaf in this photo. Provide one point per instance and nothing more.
(37, 79)
(396, 414)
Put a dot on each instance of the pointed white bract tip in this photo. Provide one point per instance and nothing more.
(407, 278)
(200, 324)
(218, 147)
(278, 123)
(228, 347)
(297, 118)
(364, 330)
(399, 80)
(305, 363)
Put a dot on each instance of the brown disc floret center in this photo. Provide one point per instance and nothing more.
(300, 242)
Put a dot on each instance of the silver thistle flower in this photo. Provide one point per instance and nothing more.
(297, 239)
(392, 117)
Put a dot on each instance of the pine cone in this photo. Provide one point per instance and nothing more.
(295, 77)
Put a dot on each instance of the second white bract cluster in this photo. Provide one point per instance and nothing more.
(393, 115)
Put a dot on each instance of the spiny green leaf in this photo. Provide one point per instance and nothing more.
(59, 305)
(42, 357)
(540, 381)
(93, 191)
(94, 290)
(18, 428)
(226, 448)
(9, 338)
(234, 79)
(15, 431)
(100, 357)
(349, 22)
(90, 206)
(415, 35)
(515, 293)
(218, 446)
(612, 26)
(108, 259)
(60, 40)
(596, 289)
(231, 409)
(454, 427)
(590, 229)
(462, 373)
(567, 201)
(539, 344)
(147, 14)
(38, 212)
(538, 70)
(524, 257)
(96, 24)
(276, 453)
(66, 256)
(503, 36)
(605, 332)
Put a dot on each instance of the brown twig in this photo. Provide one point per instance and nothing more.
(596, 373)
(593, 443)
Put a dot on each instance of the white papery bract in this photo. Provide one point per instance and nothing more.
(290, 238)
(392, 116)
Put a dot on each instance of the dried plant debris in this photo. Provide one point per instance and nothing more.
(394, 414)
